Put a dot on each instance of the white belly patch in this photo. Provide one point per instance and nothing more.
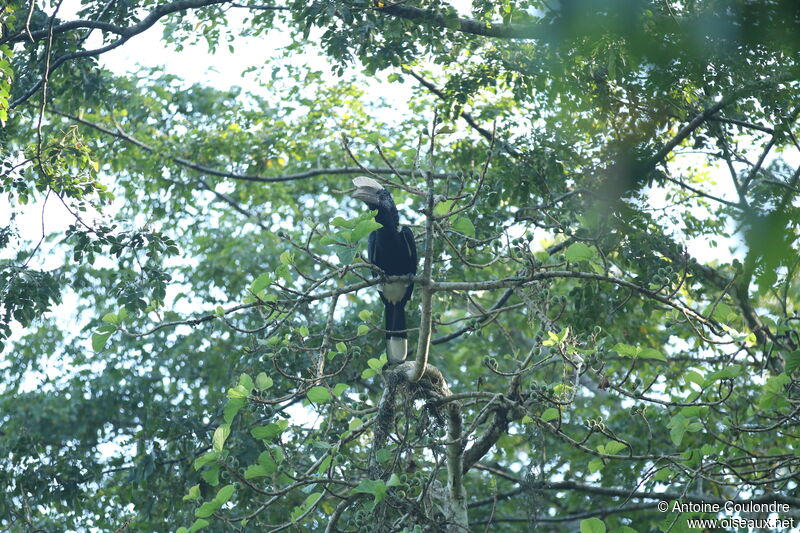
(394, 291)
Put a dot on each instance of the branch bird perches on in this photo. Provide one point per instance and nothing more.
(392, 249)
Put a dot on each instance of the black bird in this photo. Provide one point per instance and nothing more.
(392, 249)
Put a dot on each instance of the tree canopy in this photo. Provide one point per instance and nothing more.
(605, 201)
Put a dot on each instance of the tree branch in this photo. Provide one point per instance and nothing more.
(426, 314)
(119, 134)
(440, 20)
(125, 34)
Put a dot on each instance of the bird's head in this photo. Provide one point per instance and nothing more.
(372, 193)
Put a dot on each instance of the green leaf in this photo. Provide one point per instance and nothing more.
(551, 413)
(611, 448)
(198, 525)
(346, 254)
(211, 475)
(465, 226)
(220, 436)
(284, 273)
(205, 459)
(651, 353)
(690, 376)
(268, 432)
(224, 494)
(257, 471)
(375, 364)
(193, 494)
(678, 425)
(526, 419)
(579, 251)
(552, 339)
(363, 228)
(247, 382)
(324, 465)
(238, 392)
(694, 411)
(286, 258)
(376, 487)
(393, 481)
(318, 394)
(339, 388)
(99, 341)
(362, 330)
(442, 207)
(340, 222)
(207, 509)
(383, 455)
(309, 502)
(368, 373)
(263, 381)
(592, 525)
(792, 362)
(277, 453)
(267, 462)
(111, 318)
(595, 465)
(232, 407)
(261, 282)
(365, 315)
(729, 372)
(773, 396)
(625, 350)
(722, 313)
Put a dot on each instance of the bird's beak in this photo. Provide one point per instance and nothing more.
(367, 190)
(368, 195)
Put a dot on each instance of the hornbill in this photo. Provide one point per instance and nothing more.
(392, 249)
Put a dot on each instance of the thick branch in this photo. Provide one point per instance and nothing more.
(455, 480)
(628, 493)
(465, 25)
(482, 446)
(707, 114)
(426, 312)
(552, 274)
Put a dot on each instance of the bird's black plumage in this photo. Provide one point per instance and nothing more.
(392, 249)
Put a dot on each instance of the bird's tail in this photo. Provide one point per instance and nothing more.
(396, 337)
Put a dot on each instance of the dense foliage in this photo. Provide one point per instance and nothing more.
(605, 199)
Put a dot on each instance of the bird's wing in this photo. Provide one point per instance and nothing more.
(372, 249)
(408, 239)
